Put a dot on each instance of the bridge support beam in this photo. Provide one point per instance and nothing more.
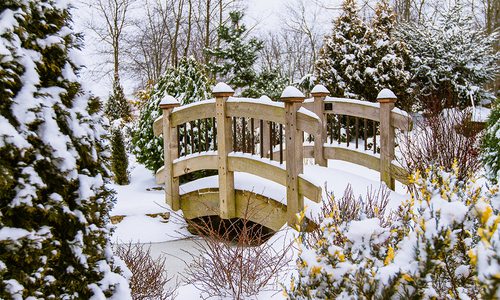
(294, 153)
(387, 101)
(170, 153)
(227, 202)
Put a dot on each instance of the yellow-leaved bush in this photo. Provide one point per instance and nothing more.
(443, 242)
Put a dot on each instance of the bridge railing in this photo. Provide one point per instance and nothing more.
(211, 134)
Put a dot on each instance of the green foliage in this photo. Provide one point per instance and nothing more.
(358, 60)
(442, 243)
(187, 83)
(117, 106)
(54, 204)
(491, 145)
(119, 159)
(235, 57)
(269, 83)
(451, 60)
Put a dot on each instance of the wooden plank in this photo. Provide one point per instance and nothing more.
(198, 110)
(354, 109)
(263, 111)
(308, 124)
(386, 141)
(202, 161)
(400, 121)
(350, 155)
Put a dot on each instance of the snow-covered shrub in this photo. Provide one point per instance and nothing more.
(451, 60)
(269, 82)
(119, 158)
(442, 243)
(491, 145)
(54, 204)
(357, 60)
(441, 139)
(187, 83)
(117, 106)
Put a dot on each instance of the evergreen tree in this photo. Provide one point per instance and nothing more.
(451, 61)
(491, 145)
(54, 204)
(119, 159)
(340, 66)
(358, 61)
(234, 58)
(187, 83)
(269, 83)
(117, 106)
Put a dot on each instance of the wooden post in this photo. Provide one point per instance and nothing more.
(170, 153)
(387, 100)
(227, 205)
(319, 93)
(293, 99)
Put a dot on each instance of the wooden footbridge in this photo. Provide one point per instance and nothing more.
(270, 140)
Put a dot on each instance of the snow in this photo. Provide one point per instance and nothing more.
(292, 92)
(347, 100)
(480, 114)
(186, 106)
(261, 100)
(221, 87)
(169, 100)
(386, 94)
(320, 89)
(309, 113)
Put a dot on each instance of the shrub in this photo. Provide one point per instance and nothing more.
(235, 259)
(491, 145)
(149, 275)
(117, 106)
(441, 139)
(442, 243)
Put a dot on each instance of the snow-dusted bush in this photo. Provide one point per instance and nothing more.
(442, 243)
(54, 204)
(187, 83)
(491, 145)
(451, 60)
(269, 82)
(357, 59)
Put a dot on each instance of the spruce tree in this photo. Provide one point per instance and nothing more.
(54, 204)
(119, 159)
(269, 82)
(340, 66)
(235, 57)
(117, 106)
(187, 83)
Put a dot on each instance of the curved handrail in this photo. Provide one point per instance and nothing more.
(367, 110)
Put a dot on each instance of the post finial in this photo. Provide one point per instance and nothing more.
(319, 91)
(169, 102)
(292, 94)
(386, 96)
(222, 90)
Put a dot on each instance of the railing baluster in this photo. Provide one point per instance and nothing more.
(365, 134)
(261, 138)
(185, 139)
(271, 140)
(244, 135)
(179, 142)
(329, 124)
(374, 137)
(281, 143)
(339, 123)
(348, 136)
(234, 135)
(252, 134)
(215, 134)
(191, 136)
(199, 136)
(357, 129)
(205, 121)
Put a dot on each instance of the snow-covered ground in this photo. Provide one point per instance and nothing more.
(141, 204)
